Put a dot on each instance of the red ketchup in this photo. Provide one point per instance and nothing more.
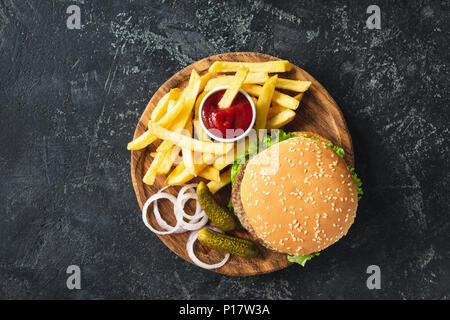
(237, 117)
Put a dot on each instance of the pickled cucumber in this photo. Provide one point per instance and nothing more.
(228, 244)
(218, 214)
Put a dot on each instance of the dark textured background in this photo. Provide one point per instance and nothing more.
(70, 100)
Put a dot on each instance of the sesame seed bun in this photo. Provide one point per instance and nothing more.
(296, 197)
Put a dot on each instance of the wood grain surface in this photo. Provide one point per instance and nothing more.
(318, 113)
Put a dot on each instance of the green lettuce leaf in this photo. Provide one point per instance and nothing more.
(358, 182)
(302, 259)
(341, 153)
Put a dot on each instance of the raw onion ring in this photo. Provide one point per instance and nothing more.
(162, 223)
(183, 197)
(181, 202)
(196, 225)
(156, 196)
(199, 219)
(196, 221)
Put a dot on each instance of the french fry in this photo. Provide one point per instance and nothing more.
(141, 142)
(188, 142)
(279, 98)
(186, 102)
(171, 104)
(252, 78)
(280, 119)
(204, 158)
(263, 103)
(274, 110)
(221, 165)
(269, 66)
(260, 78)
(180, 122)
(257, 77)
(162, 105)
(188, 154)
(199, 132)
(210, 173)
(161, 169)
(293, 85)
(225, 179)
(150, 176)
(233, 88)
(180, 175)
(165, 146)
(169, 160)
(299, 96)
(225, 160)
(198, 102)
(214, 83)
(188, 159)
(204, 80)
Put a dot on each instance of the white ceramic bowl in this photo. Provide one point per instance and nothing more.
(223, 139)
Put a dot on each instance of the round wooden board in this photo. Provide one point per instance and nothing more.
(318, 113)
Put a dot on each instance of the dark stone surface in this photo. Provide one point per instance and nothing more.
(70, 100)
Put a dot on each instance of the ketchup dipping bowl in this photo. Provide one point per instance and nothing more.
(230, 124)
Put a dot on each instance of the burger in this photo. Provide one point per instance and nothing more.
(298, 196)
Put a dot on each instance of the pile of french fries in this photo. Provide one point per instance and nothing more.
(187, 147)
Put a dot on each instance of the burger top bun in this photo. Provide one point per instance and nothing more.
(298, 196)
